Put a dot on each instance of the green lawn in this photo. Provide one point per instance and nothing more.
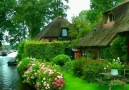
(75, 83)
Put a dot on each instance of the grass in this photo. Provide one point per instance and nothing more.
(75, 83)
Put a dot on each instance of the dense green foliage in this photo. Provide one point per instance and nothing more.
(41, 75)
(35, 14)
(104, 5)
(23, 18)
(42, 50)
(61, 59)
(88, 69)
(6, 10)
(118, 48)
(24, 64)
(116, 64)
(98, 7)
(91, 71)
(68, 67)
(89, 19)
(21, 49)
(77, 67)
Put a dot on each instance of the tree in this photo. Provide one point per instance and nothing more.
(6, 11)
(84, 24)
(56, 8)
(88, 19)
(36, 13)
(103, 5)
(100, 6)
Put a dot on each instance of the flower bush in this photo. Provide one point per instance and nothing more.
(23, 65)
(116, 64)
(43, 76)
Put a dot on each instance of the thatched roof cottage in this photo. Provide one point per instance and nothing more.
(55, 30)
(115, 21)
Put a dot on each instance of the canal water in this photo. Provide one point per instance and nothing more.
(9, 77)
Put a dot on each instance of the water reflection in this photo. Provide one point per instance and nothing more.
(9, 78)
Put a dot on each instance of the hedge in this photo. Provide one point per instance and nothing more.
(44, 50)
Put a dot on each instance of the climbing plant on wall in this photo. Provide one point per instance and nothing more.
(118, 48)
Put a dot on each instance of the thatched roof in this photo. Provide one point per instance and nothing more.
(105, 34)
(53, 29)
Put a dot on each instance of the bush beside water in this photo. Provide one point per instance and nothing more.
(41, 75)
(41, 50)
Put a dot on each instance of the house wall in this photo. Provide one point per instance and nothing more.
(118, 13)
(77, 54)
(73, 53)
(48, 39)
(92, 52)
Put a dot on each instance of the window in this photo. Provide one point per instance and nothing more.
(50, 40)
(110, 17)
(64, 32)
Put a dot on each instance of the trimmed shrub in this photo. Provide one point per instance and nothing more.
(92, 70)
(68, 66)
(44, 50)
(21, 49)
(78, 67)
(61, 59)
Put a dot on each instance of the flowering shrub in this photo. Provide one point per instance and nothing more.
(23, 65)
(116, 64)
(43, 76)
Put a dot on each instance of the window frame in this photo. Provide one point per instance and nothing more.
(111, 18)
(65, 32)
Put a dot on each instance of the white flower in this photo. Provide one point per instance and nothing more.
(33, 58)
(59, 76)
(35, 73)
(19, 63)
(44, 78)
(118, 58)
(46, 88)
(47, 85)
(32, 77)
(104, 67)
(51, 71)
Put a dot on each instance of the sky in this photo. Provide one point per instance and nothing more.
(76, 6)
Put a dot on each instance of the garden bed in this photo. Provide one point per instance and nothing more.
(41, 75)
